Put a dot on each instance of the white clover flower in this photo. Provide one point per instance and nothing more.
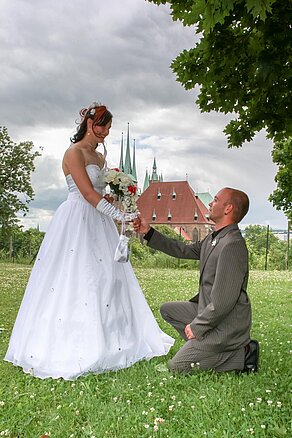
(159, 420)
(155, 428)
(146, 426)
(270, 402)
(2, 403)
(263, 426)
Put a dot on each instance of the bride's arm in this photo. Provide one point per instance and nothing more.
(74, 162)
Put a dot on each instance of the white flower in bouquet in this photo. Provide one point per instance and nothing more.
(124, 187)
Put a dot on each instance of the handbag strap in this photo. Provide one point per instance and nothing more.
(123, 228)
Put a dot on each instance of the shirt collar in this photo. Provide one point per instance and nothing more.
(215, 233)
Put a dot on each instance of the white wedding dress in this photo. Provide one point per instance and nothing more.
(82, 312)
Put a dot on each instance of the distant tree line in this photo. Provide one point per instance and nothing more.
(19, 245)
(266, 251)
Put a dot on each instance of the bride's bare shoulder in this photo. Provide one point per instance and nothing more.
(72, 155)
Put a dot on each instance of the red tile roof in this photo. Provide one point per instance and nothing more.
(177, 198)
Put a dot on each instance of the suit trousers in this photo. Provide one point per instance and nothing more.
(189, 358)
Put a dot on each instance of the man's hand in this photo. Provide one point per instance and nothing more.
(189, 333)
(141, 226)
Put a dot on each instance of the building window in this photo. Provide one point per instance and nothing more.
(158, 194)
(207, 216)
(153, 216)
(196, 215)
(169, 215)
(195, 235)
(173, 194)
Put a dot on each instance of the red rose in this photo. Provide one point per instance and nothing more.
(132, 189)
(116, 168)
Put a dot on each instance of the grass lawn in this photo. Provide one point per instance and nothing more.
(144, 402)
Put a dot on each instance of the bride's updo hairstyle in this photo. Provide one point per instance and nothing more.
(99, 114)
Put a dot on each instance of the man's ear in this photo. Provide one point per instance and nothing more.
(228, 208)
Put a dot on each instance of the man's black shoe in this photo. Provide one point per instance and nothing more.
(251, 361)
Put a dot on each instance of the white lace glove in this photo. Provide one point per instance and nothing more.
(108, 209)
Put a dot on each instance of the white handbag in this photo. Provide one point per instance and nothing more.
(122, 252)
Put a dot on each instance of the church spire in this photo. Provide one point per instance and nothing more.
(128, 167)
(146, 181)
(154, 176)
(134, 173)
(121, 165)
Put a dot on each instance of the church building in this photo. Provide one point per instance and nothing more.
(175, 204)
(172, 203)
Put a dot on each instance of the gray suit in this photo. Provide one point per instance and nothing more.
(220, 314)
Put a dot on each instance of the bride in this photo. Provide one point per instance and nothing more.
(82, 312)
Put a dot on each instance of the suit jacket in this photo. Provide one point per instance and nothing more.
(223, 319)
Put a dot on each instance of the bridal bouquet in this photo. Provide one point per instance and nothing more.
(124, 187)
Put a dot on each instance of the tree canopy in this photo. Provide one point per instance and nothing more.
(17, 164)
(282, 156)
(242, 65)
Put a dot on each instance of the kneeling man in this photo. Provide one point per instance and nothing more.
(215, 323)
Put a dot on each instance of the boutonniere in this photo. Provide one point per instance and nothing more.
(214, 242)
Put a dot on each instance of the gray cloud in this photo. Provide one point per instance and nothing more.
(48, 184)
(57, 57)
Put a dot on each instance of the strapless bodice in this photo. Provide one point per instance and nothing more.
(96, 176)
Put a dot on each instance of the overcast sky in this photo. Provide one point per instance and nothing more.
(59, 56)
